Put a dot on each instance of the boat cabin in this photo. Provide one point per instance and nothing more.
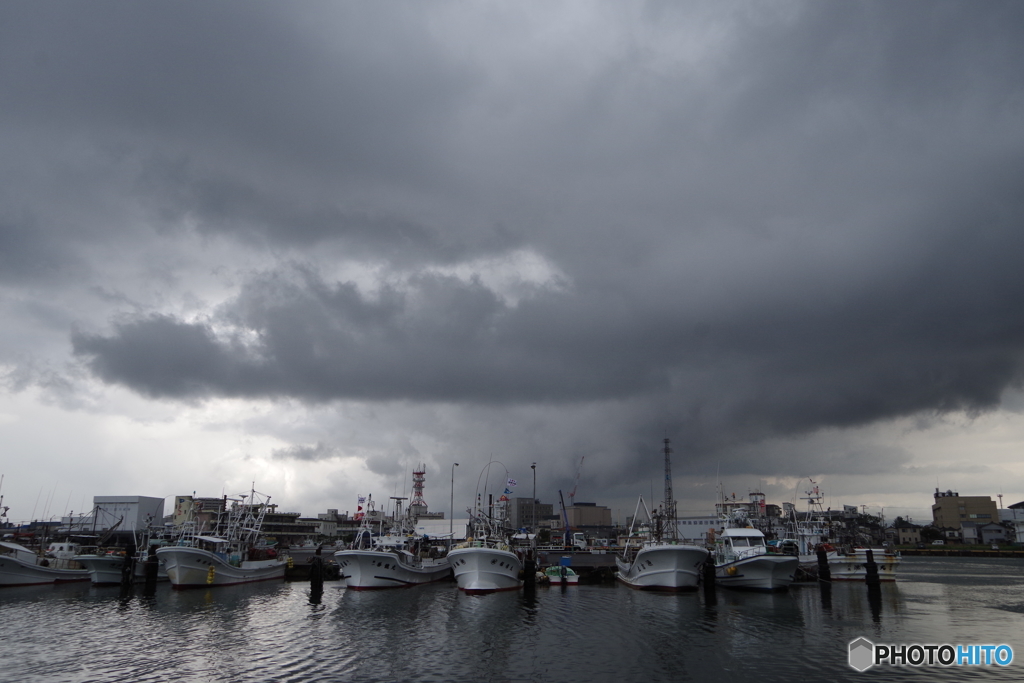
(18, 552)
(738, 543)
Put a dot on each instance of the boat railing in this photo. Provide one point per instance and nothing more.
(497, 544)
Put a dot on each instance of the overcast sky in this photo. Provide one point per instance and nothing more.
(311, 245)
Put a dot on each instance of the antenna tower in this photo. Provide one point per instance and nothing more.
(670, 504)
(418, 477)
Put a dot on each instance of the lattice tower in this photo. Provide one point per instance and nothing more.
(418, 477)
(670, 505)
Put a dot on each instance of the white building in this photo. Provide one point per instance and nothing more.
(1015, 515)
(695, 528)
(125, 513)
(439, 528)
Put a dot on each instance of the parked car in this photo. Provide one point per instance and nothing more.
(939, 542)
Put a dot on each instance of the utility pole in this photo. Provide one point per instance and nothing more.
(670, 505)
(533, 501)
(451, 514)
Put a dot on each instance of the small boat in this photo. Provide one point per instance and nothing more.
(561, 574)
(200, 561)
(20, 566)
(654, 557)
(742, 560)
(391, 560)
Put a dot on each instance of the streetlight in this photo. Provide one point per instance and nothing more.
(451, 519)
(533, 501)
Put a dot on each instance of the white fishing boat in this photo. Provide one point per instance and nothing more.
(851, 564)
(199, 561)
(488, 562)
(115, 567)
(742, 560)
(654, 557)
(109, 569)
(21, 566)
(485, 565)
(662, 566)
(392, 560)
(211, 562)
(814, 532)
(654, 560)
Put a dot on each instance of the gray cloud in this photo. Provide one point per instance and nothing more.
(766, 221)
(315, 452)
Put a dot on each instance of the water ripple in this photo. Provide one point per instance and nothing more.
(280, 633)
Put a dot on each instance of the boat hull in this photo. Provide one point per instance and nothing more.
(485, 570)
(663, 568)
(852, 566)
(191, 568)
(376, 570)
(16, 572)
(760, 572)
(106, 570)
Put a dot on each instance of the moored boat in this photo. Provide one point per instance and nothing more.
(561, 574)
(485, 566)
(654, 557)
(391, 560)
(20, 566)
(742, 561)
(371, 568)
(487, 562)
(851, 564)
(661, 566)
(109, 569)
(211, 562)
(198, 561)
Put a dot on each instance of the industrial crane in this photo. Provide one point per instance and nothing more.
(575, 483)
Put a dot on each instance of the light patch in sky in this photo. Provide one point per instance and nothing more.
(512, 276)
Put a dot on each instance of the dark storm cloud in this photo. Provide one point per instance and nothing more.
(942, 332)
(445, 340)
(808, 217)
(233, 118)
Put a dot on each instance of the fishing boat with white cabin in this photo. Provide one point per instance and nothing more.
(397, 559)
(846, 561)
(123, 566)
(487, 562)
(21, 566)
(851, 564)
(235, 556)
(742, 560)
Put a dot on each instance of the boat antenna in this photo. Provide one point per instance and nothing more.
(670, 505)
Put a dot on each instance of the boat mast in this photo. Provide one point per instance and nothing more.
(670, 504)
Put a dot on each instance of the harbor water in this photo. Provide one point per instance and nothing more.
(281, 632)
